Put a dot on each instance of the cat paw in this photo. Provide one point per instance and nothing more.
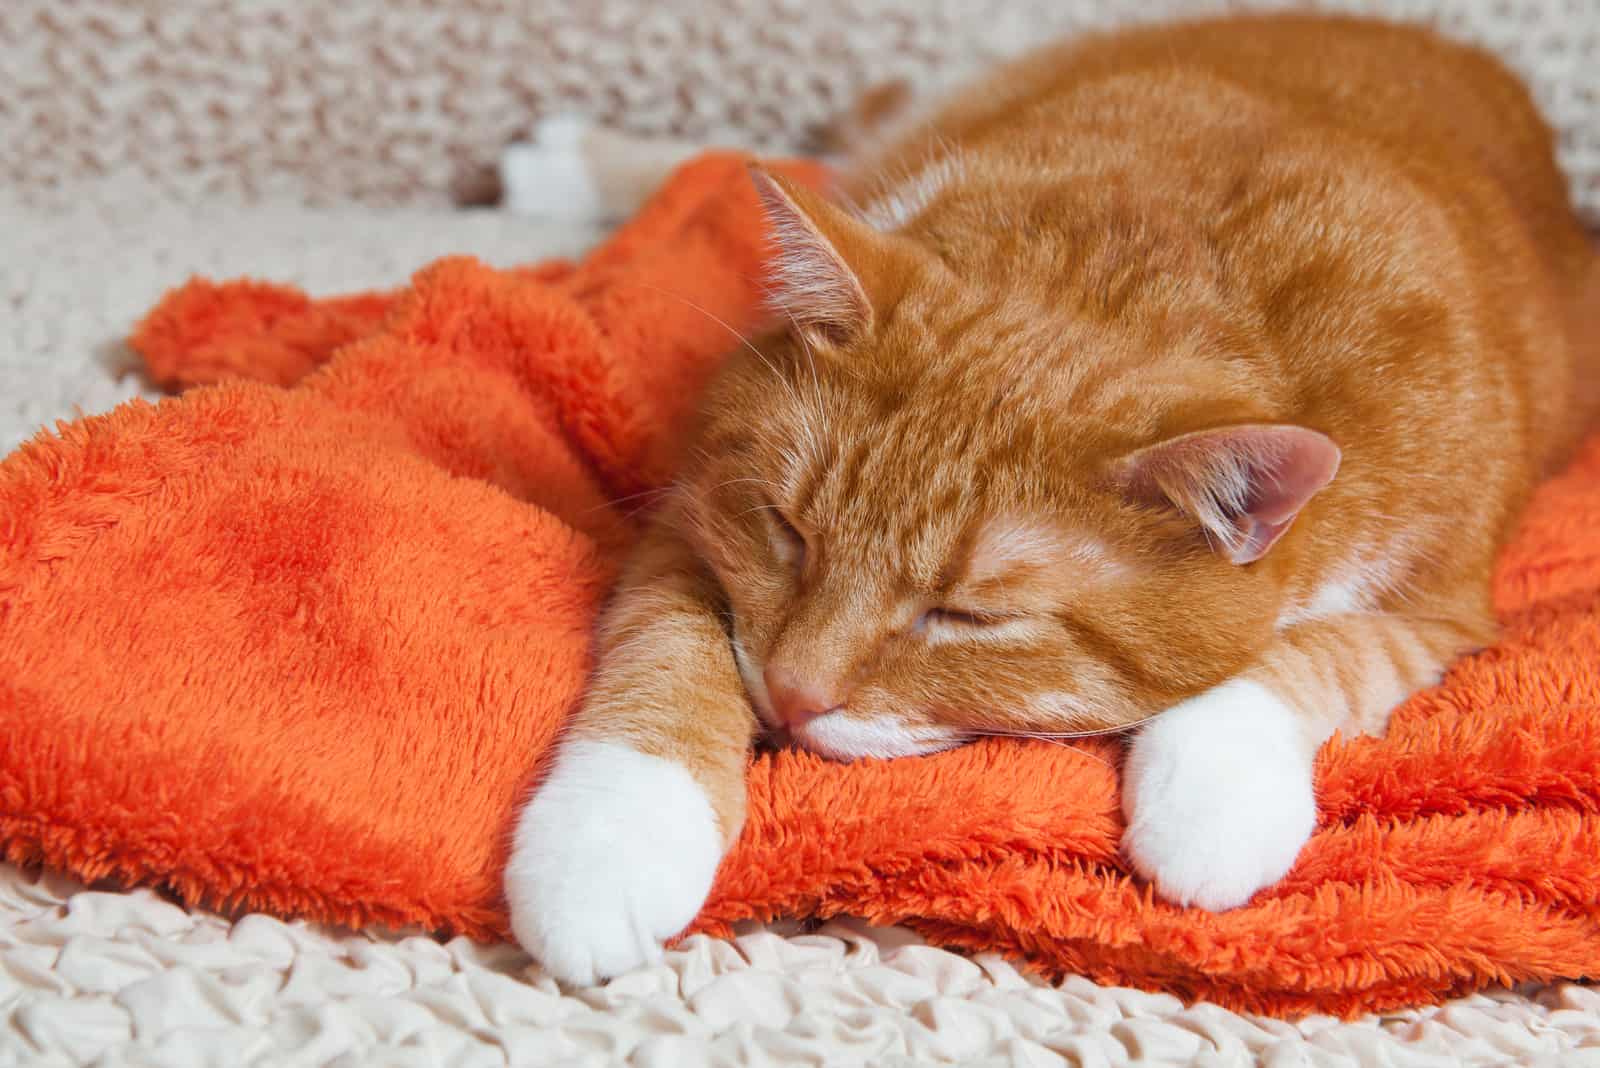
(614, 854)
(1218, 796)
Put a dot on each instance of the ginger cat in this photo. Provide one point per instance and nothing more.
(1195, 372)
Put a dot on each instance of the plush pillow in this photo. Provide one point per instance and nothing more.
(302, 648)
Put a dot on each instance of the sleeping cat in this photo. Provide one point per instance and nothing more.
(1193, 372)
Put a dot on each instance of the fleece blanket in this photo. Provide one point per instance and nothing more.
(298, 641)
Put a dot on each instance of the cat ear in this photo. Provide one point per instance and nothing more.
(812, 281)
(1243, 484)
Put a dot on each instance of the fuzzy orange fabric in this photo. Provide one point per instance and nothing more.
(302, 649)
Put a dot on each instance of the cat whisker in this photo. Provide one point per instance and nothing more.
(1042, 735)
(810, 412)
(648, 495)
(746, 342)
(767, 482)
(1062, 743)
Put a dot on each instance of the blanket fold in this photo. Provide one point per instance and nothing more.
(298, 640)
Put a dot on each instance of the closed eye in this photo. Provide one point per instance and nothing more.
(961, 617)
(945, 624)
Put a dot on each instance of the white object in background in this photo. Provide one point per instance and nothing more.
(576, 171)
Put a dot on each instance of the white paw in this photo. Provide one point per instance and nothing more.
(613, 855)
(1218, 796)
(552, 176)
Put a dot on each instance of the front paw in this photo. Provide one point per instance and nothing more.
(614, 854)
(1218, 796)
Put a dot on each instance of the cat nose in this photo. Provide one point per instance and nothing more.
(796, 702)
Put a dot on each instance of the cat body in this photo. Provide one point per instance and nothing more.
(1188, 377)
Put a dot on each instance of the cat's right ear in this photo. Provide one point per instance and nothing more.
(1244, 484)
(813, 282)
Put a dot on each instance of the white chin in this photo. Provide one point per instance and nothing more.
(842, 736)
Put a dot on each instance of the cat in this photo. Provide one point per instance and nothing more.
(1185, 379)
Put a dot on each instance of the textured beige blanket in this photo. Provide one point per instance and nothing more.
(412, 101)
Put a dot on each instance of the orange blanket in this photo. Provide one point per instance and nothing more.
(302, 649)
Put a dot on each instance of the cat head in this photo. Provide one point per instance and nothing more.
(928, 532)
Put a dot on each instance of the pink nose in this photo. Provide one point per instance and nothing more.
(795, 702)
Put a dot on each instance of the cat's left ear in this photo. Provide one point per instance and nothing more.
(816, 278)
(1243, 484)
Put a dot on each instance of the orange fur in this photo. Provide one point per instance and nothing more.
(1127, 242)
